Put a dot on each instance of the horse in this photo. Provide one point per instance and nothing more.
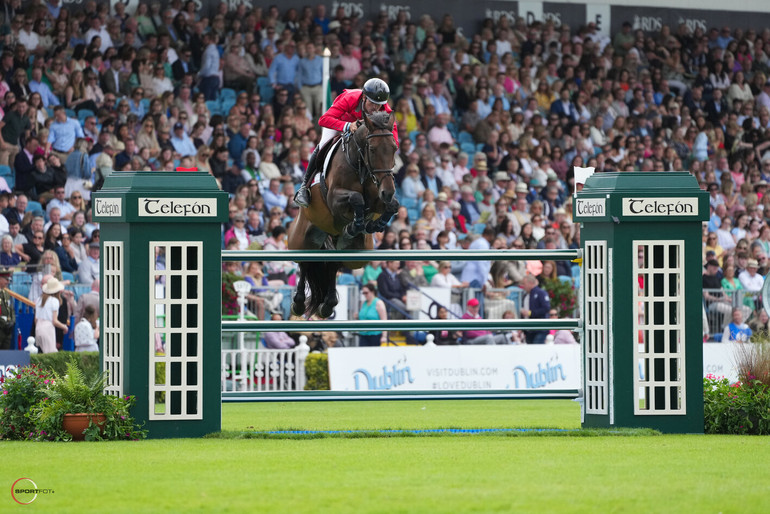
(355, 200)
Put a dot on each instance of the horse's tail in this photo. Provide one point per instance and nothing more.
(321, 280)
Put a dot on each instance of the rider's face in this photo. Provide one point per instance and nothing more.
(371, 107)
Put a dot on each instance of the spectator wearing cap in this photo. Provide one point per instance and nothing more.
(479, 336)
(89, 268)
(750, 279)
(182, 143)
(502, 180)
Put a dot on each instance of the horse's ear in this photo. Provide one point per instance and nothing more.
(392, 120)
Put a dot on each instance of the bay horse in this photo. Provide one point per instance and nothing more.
(355, 200)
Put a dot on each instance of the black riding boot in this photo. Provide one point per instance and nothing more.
(302, 196)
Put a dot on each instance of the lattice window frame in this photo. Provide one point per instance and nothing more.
(112, 316)
(659, 360)
(176, 360)
(596, 311)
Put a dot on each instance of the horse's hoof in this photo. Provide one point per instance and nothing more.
(297, 309)
(326, 310)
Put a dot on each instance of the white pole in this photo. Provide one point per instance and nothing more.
(325, 81)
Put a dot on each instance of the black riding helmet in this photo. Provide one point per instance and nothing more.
(377, 91)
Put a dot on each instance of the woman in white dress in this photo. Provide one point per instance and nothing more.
(87, 331)
(46, 313)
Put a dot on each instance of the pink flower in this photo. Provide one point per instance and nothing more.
(5, 392)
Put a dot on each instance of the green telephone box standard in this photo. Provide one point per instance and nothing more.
(642, 298)
(161, 297)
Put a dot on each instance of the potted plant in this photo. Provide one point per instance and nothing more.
(78, 409)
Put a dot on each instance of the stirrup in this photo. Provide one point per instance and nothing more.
(301, 196)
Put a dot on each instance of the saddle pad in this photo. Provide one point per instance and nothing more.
(327, 161)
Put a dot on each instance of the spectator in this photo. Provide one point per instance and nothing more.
(87, 331)
(182, 143)
(535, 305)
(89, 268)
(63, 133)
(8, 256)
(391, 289)
(751, 280)
(46, 315)
(372, 308)
(474, 337)
(209, 72)
(737, 331)
(278, 340)
(283, 69)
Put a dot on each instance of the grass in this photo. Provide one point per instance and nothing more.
(665, 473)
(412, 414)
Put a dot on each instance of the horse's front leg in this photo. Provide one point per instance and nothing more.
(381, 223)
(345, 200)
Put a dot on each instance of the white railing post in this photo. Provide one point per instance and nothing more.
(302, 352)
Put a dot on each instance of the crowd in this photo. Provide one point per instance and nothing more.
(490, 127)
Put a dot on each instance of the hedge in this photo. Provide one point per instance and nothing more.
(88, 362)
(317, 371)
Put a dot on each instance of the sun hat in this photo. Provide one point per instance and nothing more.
(53, 286)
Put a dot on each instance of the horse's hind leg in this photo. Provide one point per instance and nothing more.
(298, 304)
(331, 299)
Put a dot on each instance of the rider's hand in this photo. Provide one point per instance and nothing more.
(353, 127)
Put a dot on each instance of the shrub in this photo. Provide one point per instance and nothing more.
(229, 296)
(87, 362)
(73, 393)
(740, 408)
(753, 362)
(563, 296)
(21, 391)
(317, 371)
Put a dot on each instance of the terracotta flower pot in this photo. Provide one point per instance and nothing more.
(76, 424)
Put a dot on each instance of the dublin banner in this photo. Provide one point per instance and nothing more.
(455, 368)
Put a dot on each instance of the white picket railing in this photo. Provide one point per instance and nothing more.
(264, 370)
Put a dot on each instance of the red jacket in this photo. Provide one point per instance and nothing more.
(346, 108)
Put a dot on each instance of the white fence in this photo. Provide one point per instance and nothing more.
(264, 370)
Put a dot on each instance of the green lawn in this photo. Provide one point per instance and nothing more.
(679, 473)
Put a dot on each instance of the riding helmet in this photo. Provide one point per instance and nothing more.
(377, 91)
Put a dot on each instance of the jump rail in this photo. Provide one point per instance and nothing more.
(398, 324)
(399, 255)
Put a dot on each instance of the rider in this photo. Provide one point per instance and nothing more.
(342, 116)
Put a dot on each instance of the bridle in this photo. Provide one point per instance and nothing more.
(364, 158)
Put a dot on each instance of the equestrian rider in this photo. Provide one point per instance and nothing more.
(342, 116)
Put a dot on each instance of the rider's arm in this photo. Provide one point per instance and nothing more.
(341, 110)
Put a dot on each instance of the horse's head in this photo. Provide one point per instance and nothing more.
(381, 152)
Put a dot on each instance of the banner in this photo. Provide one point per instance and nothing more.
(453, 368)
(469, 368)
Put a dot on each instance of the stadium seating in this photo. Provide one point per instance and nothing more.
(83, 114)
(8, 175)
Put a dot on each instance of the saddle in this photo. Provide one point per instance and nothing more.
(325, 156)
